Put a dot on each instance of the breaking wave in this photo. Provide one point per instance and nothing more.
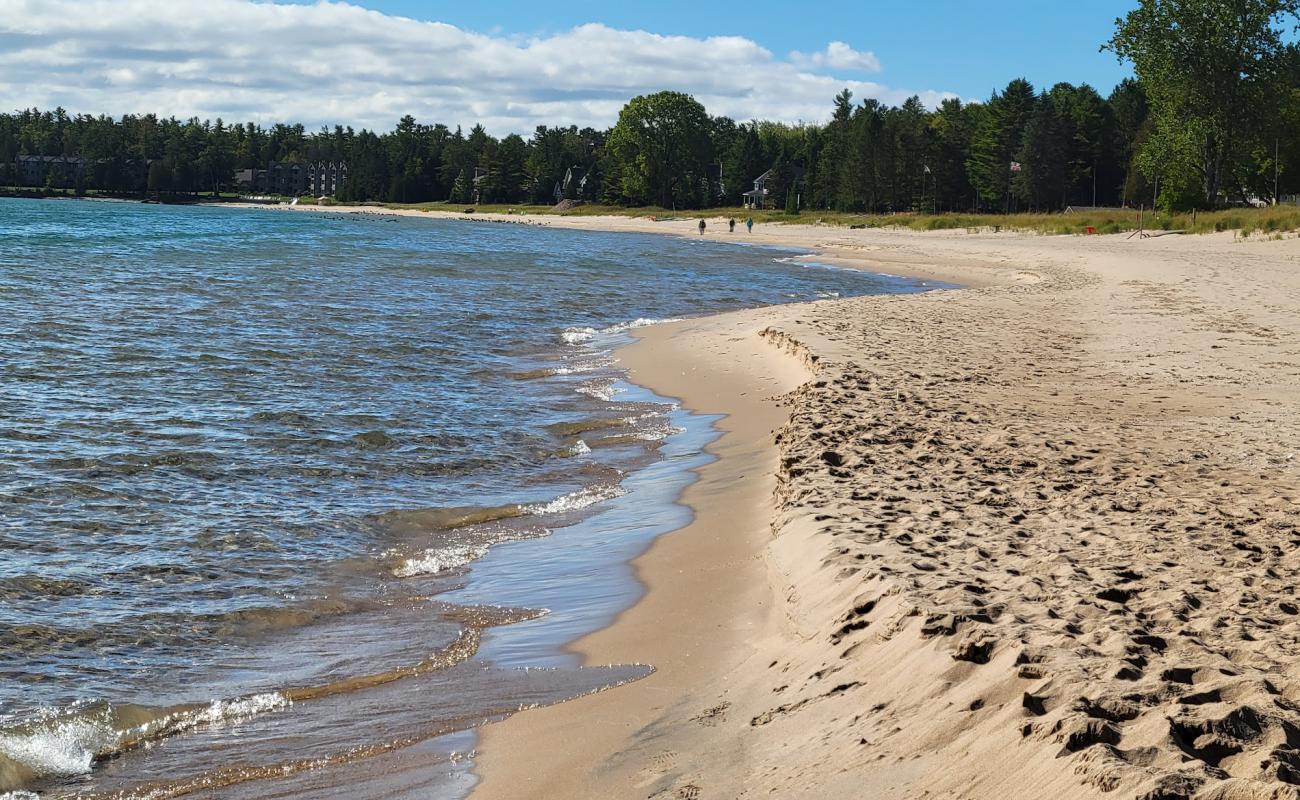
(62, 744)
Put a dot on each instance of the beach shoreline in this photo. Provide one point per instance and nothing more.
(958, 571)
(1024, 539)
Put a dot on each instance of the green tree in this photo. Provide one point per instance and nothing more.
(506, 170)
(660, 150)
(997, 139)
(1128, 107)
(743, 162)
(160, 177)
(1041, 182)
(1211, 69)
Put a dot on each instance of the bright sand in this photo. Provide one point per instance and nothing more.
(1033, 539)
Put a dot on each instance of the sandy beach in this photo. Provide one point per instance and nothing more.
(1030, 538)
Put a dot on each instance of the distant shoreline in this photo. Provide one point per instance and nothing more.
(824, 244)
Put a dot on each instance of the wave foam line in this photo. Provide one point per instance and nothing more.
(578, 335)
(576, 501)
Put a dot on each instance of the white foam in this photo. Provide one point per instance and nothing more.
(68, 746)
(578, 367)
(224, 712)
(600, 390)
(576, 501)
(578, 335)
(639, 322)
(578, 448)
(441, 559)
(658, 433)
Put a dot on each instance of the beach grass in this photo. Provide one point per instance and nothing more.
(1272, 220)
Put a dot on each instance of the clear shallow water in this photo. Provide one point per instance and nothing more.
(280, 460)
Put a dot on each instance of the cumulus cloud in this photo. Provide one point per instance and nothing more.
(838, 55)
(339, 63)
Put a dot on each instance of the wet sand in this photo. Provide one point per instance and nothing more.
(1030, 539)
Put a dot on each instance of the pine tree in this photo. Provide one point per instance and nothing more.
(996, 140)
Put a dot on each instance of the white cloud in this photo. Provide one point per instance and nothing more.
(338, 63)
(838, 55)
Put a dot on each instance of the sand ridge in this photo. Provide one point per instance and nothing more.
(1091, 546)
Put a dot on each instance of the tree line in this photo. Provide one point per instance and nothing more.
(1210, 117)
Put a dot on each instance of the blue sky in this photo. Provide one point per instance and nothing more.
(515, 65)
(966, 47)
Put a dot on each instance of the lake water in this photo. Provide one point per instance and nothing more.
(294, 501)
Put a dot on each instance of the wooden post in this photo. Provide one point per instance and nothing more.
(1138, 232)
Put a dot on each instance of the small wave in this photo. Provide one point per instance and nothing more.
(296, 419)
(425, 519)
(578, 335)
(68, 743)
(373, 439)
(586, 365)
(534, 374)
(639, 322)
(576, 501)
(566, 429)
(432, 562)
(658, 433)
(30, 587)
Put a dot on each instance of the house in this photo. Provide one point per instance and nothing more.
(292, 178)
(326, 177)
(572, 185)
(246, 180)
(764, 184)
(287, 178)
(60, 171)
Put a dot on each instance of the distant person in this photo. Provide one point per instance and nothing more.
(749, 224)
(701, 227)
(731, 225)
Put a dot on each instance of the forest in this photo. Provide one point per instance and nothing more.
(1211, 118)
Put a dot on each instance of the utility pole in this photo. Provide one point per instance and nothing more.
(1094, 182)
(1277, 150)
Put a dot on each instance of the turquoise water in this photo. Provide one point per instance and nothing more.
(269, 460)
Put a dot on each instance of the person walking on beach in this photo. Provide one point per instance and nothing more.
(701, 227)
(731, 225)
(749, 224)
